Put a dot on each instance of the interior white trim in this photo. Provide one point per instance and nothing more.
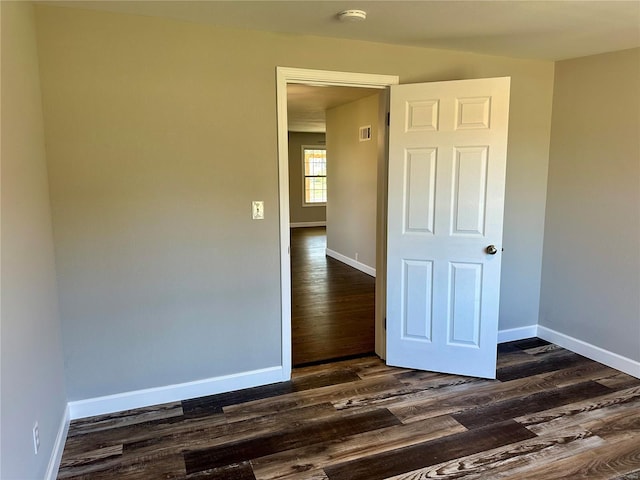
(174, 393)
(588, 350)
(307, 224)
(519, 333)
(284, 76)
(328, 77)
(58, 447)
(573, 344)
(351, 262)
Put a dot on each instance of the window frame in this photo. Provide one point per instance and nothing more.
(304, 176)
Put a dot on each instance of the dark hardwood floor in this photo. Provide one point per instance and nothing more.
(332, 304)
(551, 414)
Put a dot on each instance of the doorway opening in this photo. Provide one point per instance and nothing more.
(332, 242)
(319, 79)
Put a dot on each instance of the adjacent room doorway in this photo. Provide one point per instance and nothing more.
(332, 239)
(288, 76)
(446, 179)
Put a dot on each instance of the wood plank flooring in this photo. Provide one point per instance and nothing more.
(332, 304)
(551, 414)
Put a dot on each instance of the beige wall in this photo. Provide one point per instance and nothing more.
(298, 213)
(591, 267)
(352, 180)
(163, 276)
(32, 376)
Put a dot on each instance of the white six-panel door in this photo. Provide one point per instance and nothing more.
(447, 163)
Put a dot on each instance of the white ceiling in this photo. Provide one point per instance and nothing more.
(533, 29)
(546, 30)
(306, 104)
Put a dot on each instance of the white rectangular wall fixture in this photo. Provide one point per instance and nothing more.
(257, 210)
(365, 133)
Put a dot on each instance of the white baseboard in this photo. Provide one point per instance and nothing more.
(580, 347)
(351, 262)
(520, 333)
(588, 350)
(174, 393)
(58, 447)
(307, 224)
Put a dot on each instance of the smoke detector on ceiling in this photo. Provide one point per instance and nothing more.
(352, 15)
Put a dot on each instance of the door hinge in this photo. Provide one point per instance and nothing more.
(388, 118)
(385, 323)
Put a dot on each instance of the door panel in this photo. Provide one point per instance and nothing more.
(469, 190)
(447, 163)
(420, 187)
(418, 278)
(465, 298)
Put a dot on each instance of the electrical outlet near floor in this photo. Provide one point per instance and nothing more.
(36, 438)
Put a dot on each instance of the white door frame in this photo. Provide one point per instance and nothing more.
(284, 76)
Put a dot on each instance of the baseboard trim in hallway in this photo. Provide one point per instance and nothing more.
(351, 262)
(307, 224)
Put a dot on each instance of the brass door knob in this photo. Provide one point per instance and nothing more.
(491, 250)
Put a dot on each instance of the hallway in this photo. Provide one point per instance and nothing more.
(332, 304)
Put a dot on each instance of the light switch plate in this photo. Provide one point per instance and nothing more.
(257, 210)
